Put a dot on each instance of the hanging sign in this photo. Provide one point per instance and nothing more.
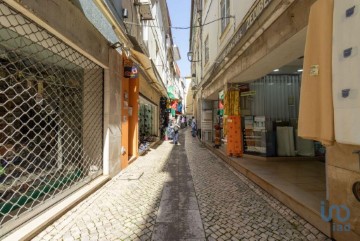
(130, 70)
(248, 93)
(221, 95)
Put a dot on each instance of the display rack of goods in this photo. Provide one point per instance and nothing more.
(234, 139)
(258, 137)
(248, 133)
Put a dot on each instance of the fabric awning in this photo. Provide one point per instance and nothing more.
(147, 66)
(172, 93)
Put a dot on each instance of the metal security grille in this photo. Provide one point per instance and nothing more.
(51, 105)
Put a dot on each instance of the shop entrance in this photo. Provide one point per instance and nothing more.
(129, 124)
(275, 157)
(148, 124)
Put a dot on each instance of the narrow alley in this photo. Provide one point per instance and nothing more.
(180, 192)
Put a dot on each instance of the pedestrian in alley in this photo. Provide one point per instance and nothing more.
(183, 122)
(176, 128)
(193, 126)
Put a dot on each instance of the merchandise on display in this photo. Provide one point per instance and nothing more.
(164, 116)
(234, 141)
(146, 126)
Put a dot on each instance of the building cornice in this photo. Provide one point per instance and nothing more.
(260, 16)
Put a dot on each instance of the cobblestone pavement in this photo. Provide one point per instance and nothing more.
(184, 193)
(121, 209)
(234, 208)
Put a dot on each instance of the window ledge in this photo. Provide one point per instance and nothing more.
(225, 32)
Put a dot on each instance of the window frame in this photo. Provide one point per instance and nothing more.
(207, 50)
(224, 14)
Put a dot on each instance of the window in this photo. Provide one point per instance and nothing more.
(225, 13)
(207, 49)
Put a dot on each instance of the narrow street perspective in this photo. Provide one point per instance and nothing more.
(179, 120)
(180, 192)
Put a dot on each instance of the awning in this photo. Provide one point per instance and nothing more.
(147, 66)
(172, 93)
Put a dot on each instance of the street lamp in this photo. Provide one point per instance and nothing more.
(190, 56)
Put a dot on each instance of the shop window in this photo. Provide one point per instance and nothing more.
(51, 105)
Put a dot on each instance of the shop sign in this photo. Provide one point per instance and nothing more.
(247, 23)
(314, 70)
(221, 95)
(248, 93)
(130, 70)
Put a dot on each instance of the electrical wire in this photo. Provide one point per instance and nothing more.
(180, 28)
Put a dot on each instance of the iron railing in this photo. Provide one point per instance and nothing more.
(51, 119)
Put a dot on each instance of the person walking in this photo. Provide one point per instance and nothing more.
(183, 122)
(176, 128)
(193, 126)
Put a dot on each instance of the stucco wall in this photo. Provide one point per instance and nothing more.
(288, 25)
(218, 40)
(147, 90)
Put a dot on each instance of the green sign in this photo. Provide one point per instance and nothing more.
(248, 93)
(221, 95)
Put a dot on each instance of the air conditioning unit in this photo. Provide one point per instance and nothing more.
(176, 52)
(145, 9)
(140, 2)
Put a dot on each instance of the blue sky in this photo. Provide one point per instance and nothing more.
(180, 17)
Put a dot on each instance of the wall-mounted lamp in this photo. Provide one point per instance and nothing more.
(190, 56)
(123, 48)
(116, 45)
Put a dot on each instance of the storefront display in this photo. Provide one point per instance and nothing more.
(269, 127)
(145, 121)
(164, 116)
(147, 124)
(234, 141)
(259, 138)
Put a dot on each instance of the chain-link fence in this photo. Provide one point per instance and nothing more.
(51, 105)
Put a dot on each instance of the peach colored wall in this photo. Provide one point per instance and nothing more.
(133, 119)
(124, 123)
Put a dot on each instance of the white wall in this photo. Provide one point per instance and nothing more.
(217, 40)
(157, 41)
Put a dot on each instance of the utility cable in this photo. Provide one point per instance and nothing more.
(181, 28)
